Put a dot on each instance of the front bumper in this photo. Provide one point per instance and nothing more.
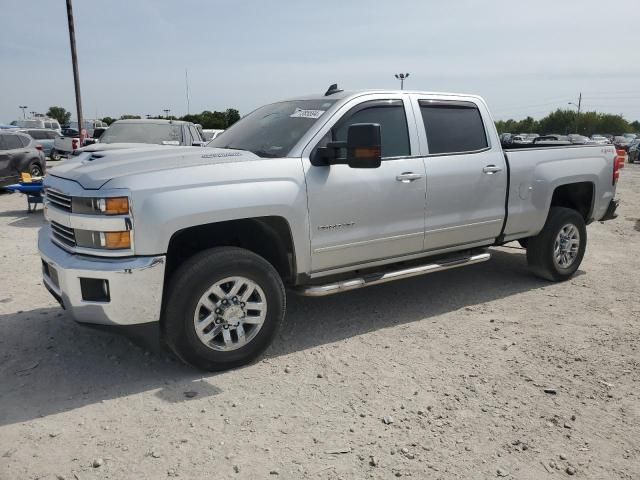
(610, 214)
(134, 284)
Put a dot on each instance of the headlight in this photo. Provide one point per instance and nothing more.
(103, 240)
(101, 206)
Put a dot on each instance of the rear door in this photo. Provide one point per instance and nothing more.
(466, 172)
(360, 215)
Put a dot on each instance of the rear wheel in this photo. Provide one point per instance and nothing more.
(55, 156)
(224, 306)
(557, 251)
(35, 169)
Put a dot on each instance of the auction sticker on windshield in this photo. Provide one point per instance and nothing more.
(300, 113)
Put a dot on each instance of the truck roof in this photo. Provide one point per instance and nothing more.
(156, 121)
(343, 94)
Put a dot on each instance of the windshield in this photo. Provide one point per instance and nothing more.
(154, 133)
(273, 130)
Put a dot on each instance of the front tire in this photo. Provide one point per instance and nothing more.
(557, 251)
(224, 306)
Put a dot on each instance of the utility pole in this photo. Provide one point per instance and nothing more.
(166, 112)
(23, 108)
(186, 81)
(402, 77)
(74, 62)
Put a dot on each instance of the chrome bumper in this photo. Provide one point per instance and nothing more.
(133, 285)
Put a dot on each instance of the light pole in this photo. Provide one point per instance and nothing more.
(402, 77)
(579, 105)
(23, 108)
(76, 74)
(166, 112)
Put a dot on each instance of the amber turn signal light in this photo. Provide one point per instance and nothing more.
(116, 205)
(117, 240)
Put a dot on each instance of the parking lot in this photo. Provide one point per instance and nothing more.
(473, 373)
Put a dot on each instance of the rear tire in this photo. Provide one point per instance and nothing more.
(208, 324)
(557, 251)
(35, 169)
(55, 156)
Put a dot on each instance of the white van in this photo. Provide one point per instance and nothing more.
(39, 122)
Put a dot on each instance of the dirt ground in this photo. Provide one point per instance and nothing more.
(442, 376)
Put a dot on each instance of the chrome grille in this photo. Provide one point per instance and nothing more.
(63, 234)
(58, 199)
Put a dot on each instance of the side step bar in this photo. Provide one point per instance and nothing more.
(378, 278)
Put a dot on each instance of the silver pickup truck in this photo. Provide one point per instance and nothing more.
(318, 195)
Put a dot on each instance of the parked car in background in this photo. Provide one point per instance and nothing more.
(211, 133)
(631, 136)
(89, 126)
(132, 133)
(6, 127)
(18, 154)
(65, 144)
(622, 142)
(600, 139)
(97, 133)
(38, 122)
(519, 140)
(551, 140)
(634, 151)
(44, 137)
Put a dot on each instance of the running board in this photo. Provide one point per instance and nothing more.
(378, 278)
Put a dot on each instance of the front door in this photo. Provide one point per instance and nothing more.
(360, 215)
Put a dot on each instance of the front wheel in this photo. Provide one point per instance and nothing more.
(557, 251)
(224, 307)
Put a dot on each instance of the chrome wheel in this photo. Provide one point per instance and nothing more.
(566, 246)
(230, 313)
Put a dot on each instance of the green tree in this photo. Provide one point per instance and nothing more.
(129, 117)
(231, 116)
(59, 114)
(635, 125)
(108, 120)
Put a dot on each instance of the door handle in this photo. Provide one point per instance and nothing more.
(408, 177)
(491, 169)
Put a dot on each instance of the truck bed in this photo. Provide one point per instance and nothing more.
(536, 172)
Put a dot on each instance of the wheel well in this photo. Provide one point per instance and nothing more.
(269, 237)
(578, 196)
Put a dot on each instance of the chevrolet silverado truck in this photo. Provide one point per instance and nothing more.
(316, 195)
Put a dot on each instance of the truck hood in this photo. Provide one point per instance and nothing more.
(93, 169)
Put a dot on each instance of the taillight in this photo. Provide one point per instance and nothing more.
(618, 163)
(74, 143)
(38, 147)
(621, 157)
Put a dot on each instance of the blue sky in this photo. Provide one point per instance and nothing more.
(525, 58)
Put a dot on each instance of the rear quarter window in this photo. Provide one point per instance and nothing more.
(453, 127)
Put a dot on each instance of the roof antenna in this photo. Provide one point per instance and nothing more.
(332, 89)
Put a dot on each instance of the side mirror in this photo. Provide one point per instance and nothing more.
(362, 145)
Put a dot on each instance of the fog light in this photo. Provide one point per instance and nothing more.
(95, 290)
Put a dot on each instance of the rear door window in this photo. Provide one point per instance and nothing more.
(390, 115)
(12, 142)
(38, 134)
(452, 126)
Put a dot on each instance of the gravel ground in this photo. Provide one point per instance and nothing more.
(442, 376)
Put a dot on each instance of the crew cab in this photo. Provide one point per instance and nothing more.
(317, 195)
